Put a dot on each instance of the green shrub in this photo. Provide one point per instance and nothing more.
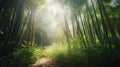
(28, 54)
(66, 57)
(78, 56)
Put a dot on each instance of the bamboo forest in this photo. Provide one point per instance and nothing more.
(59, 33)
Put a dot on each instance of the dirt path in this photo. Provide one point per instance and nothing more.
(44, 62)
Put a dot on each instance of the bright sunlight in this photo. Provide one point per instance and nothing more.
(51, 16)
(59, 33)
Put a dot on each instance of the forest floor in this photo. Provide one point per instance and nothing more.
(44, 62)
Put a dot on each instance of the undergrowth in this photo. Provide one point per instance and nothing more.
(26, 55)
(78, 56)
(73, 55)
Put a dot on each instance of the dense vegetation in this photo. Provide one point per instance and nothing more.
(74, 33)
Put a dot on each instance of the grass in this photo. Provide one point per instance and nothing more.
(78, 56)
(55, 50)
(26, 55)
(74, 56)
(65, 57)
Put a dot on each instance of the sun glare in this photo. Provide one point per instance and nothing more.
(50, 15)
(50, 12)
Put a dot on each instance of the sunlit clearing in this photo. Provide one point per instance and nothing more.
(56, 49)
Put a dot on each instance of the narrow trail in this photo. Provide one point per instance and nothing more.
(44, 62)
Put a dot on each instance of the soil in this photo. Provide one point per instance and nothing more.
(44, 62)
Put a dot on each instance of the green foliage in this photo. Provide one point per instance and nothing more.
(65, 57)
(77, 55)
(55, 50)
(94, 44)
(28, 54)
(22, 57)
